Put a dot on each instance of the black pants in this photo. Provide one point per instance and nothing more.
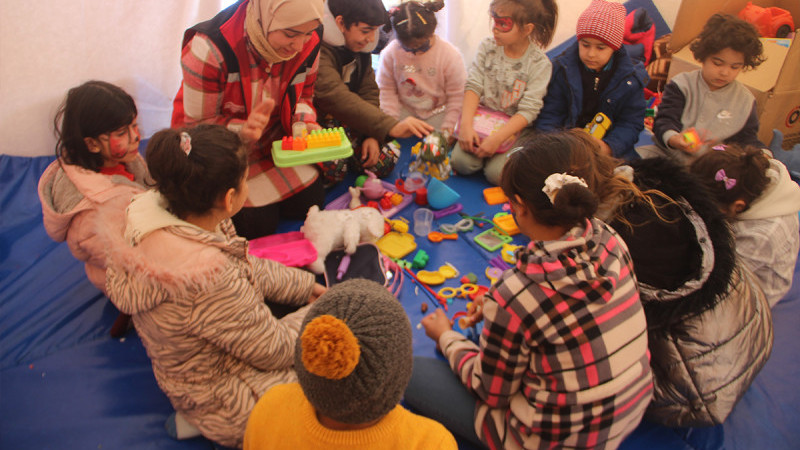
(261, 221)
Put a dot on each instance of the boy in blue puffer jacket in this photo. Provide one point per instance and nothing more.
(596, 75)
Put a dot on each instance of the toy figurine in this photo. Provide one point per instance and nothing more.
(373, 188)
(431, 156)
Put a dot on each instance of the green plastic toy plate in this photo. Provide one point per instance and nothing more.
(289, 158)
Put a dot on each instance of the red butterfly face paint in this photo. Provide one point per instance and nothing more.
(120, 145)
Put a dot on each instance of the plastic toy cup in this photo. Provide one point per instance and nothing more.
(423, 220)
(414, 181)
(422, 197)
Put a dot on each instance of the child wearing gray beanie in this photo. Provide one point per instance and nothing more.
(353, 361)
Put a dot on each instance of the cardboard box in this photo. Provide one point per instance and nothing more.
(775, 83)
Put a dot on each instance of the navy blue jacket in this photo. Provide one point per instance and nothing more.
(622, 100)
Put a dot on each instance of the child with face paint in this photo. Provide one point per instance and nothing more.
(421, 74)
(596, 75)
(509, 75)
(709, 99)
(98, 169)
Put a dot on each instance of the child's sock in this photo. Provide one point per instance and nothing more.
(178, 428)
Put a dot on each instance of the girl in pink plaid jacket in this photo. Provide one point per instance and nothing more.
(562, 359)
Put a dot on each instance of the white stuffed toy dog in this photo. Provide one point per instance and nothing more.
(340, 228)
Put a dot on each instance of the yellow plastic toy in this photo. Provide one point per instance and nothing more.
(432, 278)
(598, 126)
(506, 223)
(461, 292)
(507, 252)
(396, 245)
(400, 225)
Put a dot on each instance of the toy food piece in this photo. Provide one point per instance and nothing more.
(319, 145)
(494, 195)
(598, 126)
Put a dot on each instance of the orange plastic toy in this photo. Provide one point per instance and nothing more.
(494, 195)
(770, 22)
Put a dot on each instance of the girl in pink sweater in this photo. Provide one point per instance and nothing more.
(420, 74)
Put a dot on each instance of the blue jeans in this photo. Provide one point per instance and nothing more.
(434, 391)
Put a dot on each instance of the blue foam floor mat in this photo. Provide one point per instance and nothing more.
(64, 383)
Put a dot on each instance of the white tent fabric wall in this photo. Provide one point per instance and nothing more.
(49, 46)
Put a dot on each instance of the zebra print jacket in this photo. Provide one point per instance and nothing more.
(197, 301)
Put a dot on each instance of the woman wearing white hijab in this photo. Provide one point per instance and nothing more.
(252, 68)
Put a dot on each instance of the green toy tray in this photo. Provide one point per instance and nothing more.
(289, 158)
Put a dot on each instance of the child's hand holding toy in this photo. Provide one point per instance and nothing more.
(475, 311)
(436, 324)
(467, 136)
(370, 150)
(688, 142)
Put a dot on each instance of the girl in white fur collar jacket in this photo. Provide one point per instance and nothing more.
(196, 296)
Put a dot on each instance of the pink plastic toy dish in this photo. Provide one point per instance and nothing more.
(343, 201)
(290, 249)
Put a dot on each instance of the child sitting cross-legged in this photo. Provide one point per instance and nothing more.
(761, 202)
(596, 75)
(421, 74)
(507, 80)
(353, 361)
(562, 361)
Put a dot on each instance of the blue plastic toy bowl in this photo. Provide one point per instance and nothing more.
(440, 195)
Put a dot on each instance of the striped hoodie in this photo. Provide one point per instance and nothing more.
(563, 359)
(197, 301)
